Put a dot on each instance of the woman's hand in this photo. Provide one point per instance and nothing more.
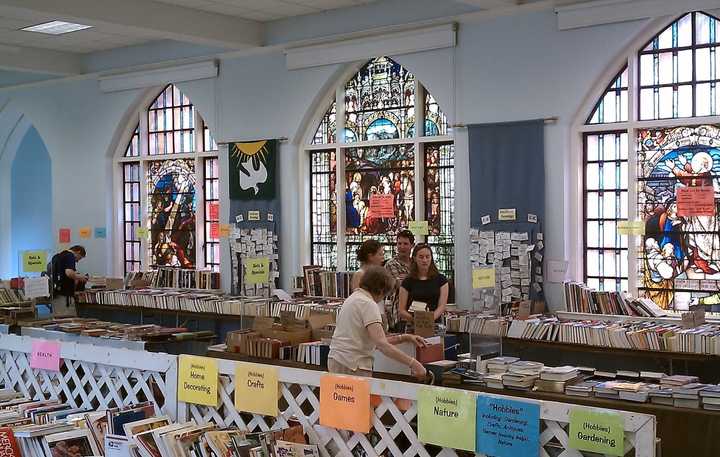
(417, 340)
(417, 370)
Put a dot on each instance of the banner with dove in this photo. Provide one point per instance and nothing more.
(252, 170)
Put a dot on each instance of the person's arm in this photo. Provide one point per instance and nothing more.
(407, 338)
(377, 335)
(74, 275)
(403, 305)
(442, 301)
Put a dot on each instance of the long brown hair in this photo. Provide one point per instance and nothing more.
(432, 270)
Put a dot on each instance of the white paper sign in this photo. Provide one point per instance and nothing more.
(37, 287)
(485, 220)
(556, 271)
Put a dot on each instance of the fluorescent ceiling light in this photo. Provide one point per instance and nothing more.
(56, 27)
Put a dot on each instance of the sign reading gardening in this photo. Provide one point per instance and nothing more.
(198, 380)
(447, 418)
(597, 432)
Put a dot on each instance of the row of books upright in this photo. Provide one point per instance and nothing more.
(580, 298)
(176, 278)
(324, 283)
(643, 335)
(10, 296)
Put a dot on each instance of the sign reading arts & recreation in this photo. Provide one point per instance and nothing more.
(198, 380)
(601, 432)
(345, 403)
(446, 417)
(257, 389)
(507, 428)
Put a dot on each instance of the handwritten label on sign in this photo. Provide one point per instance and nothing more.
(198, 380)
(141, 232)
(424, 323)
(100, 232)
(696, 201)
(45, 355)
(419, 228)
(257, 270)
(446, 417)
(631, 227)
(257, 389)
(382, 205)
(64, 235)
(598, 432)
(483, 278)
(34, 261)
(213, 211)
(507, 428)
(253, 215)
(507, 214)
(85, 232)
(214, 230)
(224, 230)
(345, 403)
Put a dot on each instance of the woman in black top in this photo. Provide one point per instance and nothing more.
(424, 284)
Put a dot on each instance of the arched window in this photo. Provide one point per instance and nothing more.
(169, 185)
(639, 157)
(396, 141)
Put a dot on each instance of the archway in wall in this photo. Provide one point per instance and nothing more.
(31, 200)
(652, 135)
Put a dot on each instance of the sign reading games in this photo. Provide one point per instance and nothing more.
(198, 380)
(345, 403)
(446, 417)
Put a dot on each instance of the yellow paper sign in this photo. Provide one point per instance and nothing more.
(85, 232)
(224, 230)
(141, 232)
(418, 228)
(257, 270)
(34, 261)
(345, 403)
(198, 380)
(631, 227)
(483, 278)
(253, 215)
(257, 389)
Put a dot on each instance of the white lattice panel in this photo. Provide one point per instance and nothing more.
(92, 376)
(394, 430)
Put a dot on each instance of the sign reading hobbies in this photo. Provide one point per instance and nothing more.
(600, 432)
(257, 389)
(507, 428)
(198, 380)
(45, 355)
(447, 417)
(345, 403)
(382, 205)
(696, 201)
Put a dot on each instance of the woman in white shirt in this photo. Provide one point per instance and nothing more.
(359, 330)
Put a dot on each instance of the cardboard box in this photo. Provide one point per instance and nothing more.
(434, 351)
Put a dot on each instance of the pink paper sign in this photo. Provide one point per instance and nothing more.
(213, 211)
(45, 355)
(382, 205)
(696, 201)
(64, 235)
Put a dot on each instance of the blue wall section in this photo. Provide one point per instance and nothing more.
(31, 198)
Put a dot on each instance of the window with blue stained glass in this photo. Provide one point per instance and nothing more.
(171, 123)
(613, 105)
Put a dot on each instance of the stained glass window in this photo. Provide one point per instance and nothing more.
(680, 262)
(325, 133)
(606, 196)
(212, 199)
(171, 123)
(323, 218)
(171, 210)
(440, 203)
(131, 216)
(133, 148)
(613, 105)
(679, 70)
(379, 102)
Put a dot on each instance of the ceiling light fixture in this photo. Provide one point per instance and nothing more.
(56, 27)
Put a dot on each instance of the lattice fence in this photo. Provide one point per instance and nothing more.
(92, 376)
(394, 429)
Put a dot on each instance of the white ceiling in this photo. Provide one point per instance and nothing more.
(266, 10)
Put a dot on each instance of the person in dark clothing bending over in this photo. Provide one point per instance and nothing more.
(66, 279)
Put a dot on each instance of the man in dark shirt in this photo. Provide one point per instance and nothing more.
(65, 279)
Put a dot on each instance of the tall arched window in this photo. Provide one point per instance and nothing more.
(395, 141)
(653, 135)
(169, 184)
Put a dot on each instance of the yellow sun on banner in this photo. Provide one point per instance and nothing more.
(251, 159)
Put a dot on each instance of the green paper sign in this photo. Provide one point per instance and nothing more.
(418, 228)
(447, 417)
(34, 261)
(593, 431)
(257, 270)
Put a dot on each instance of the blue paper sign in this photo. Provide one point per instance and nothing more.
(507, 428)
(100, 232)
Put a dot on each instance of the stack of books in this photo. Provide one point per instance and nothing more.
(556, 379)
(499, 365)
(710, 397)
(116, 331)
(688, 395)
(582, 389)
(521, 375)
(580, 298)
(176, 278)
